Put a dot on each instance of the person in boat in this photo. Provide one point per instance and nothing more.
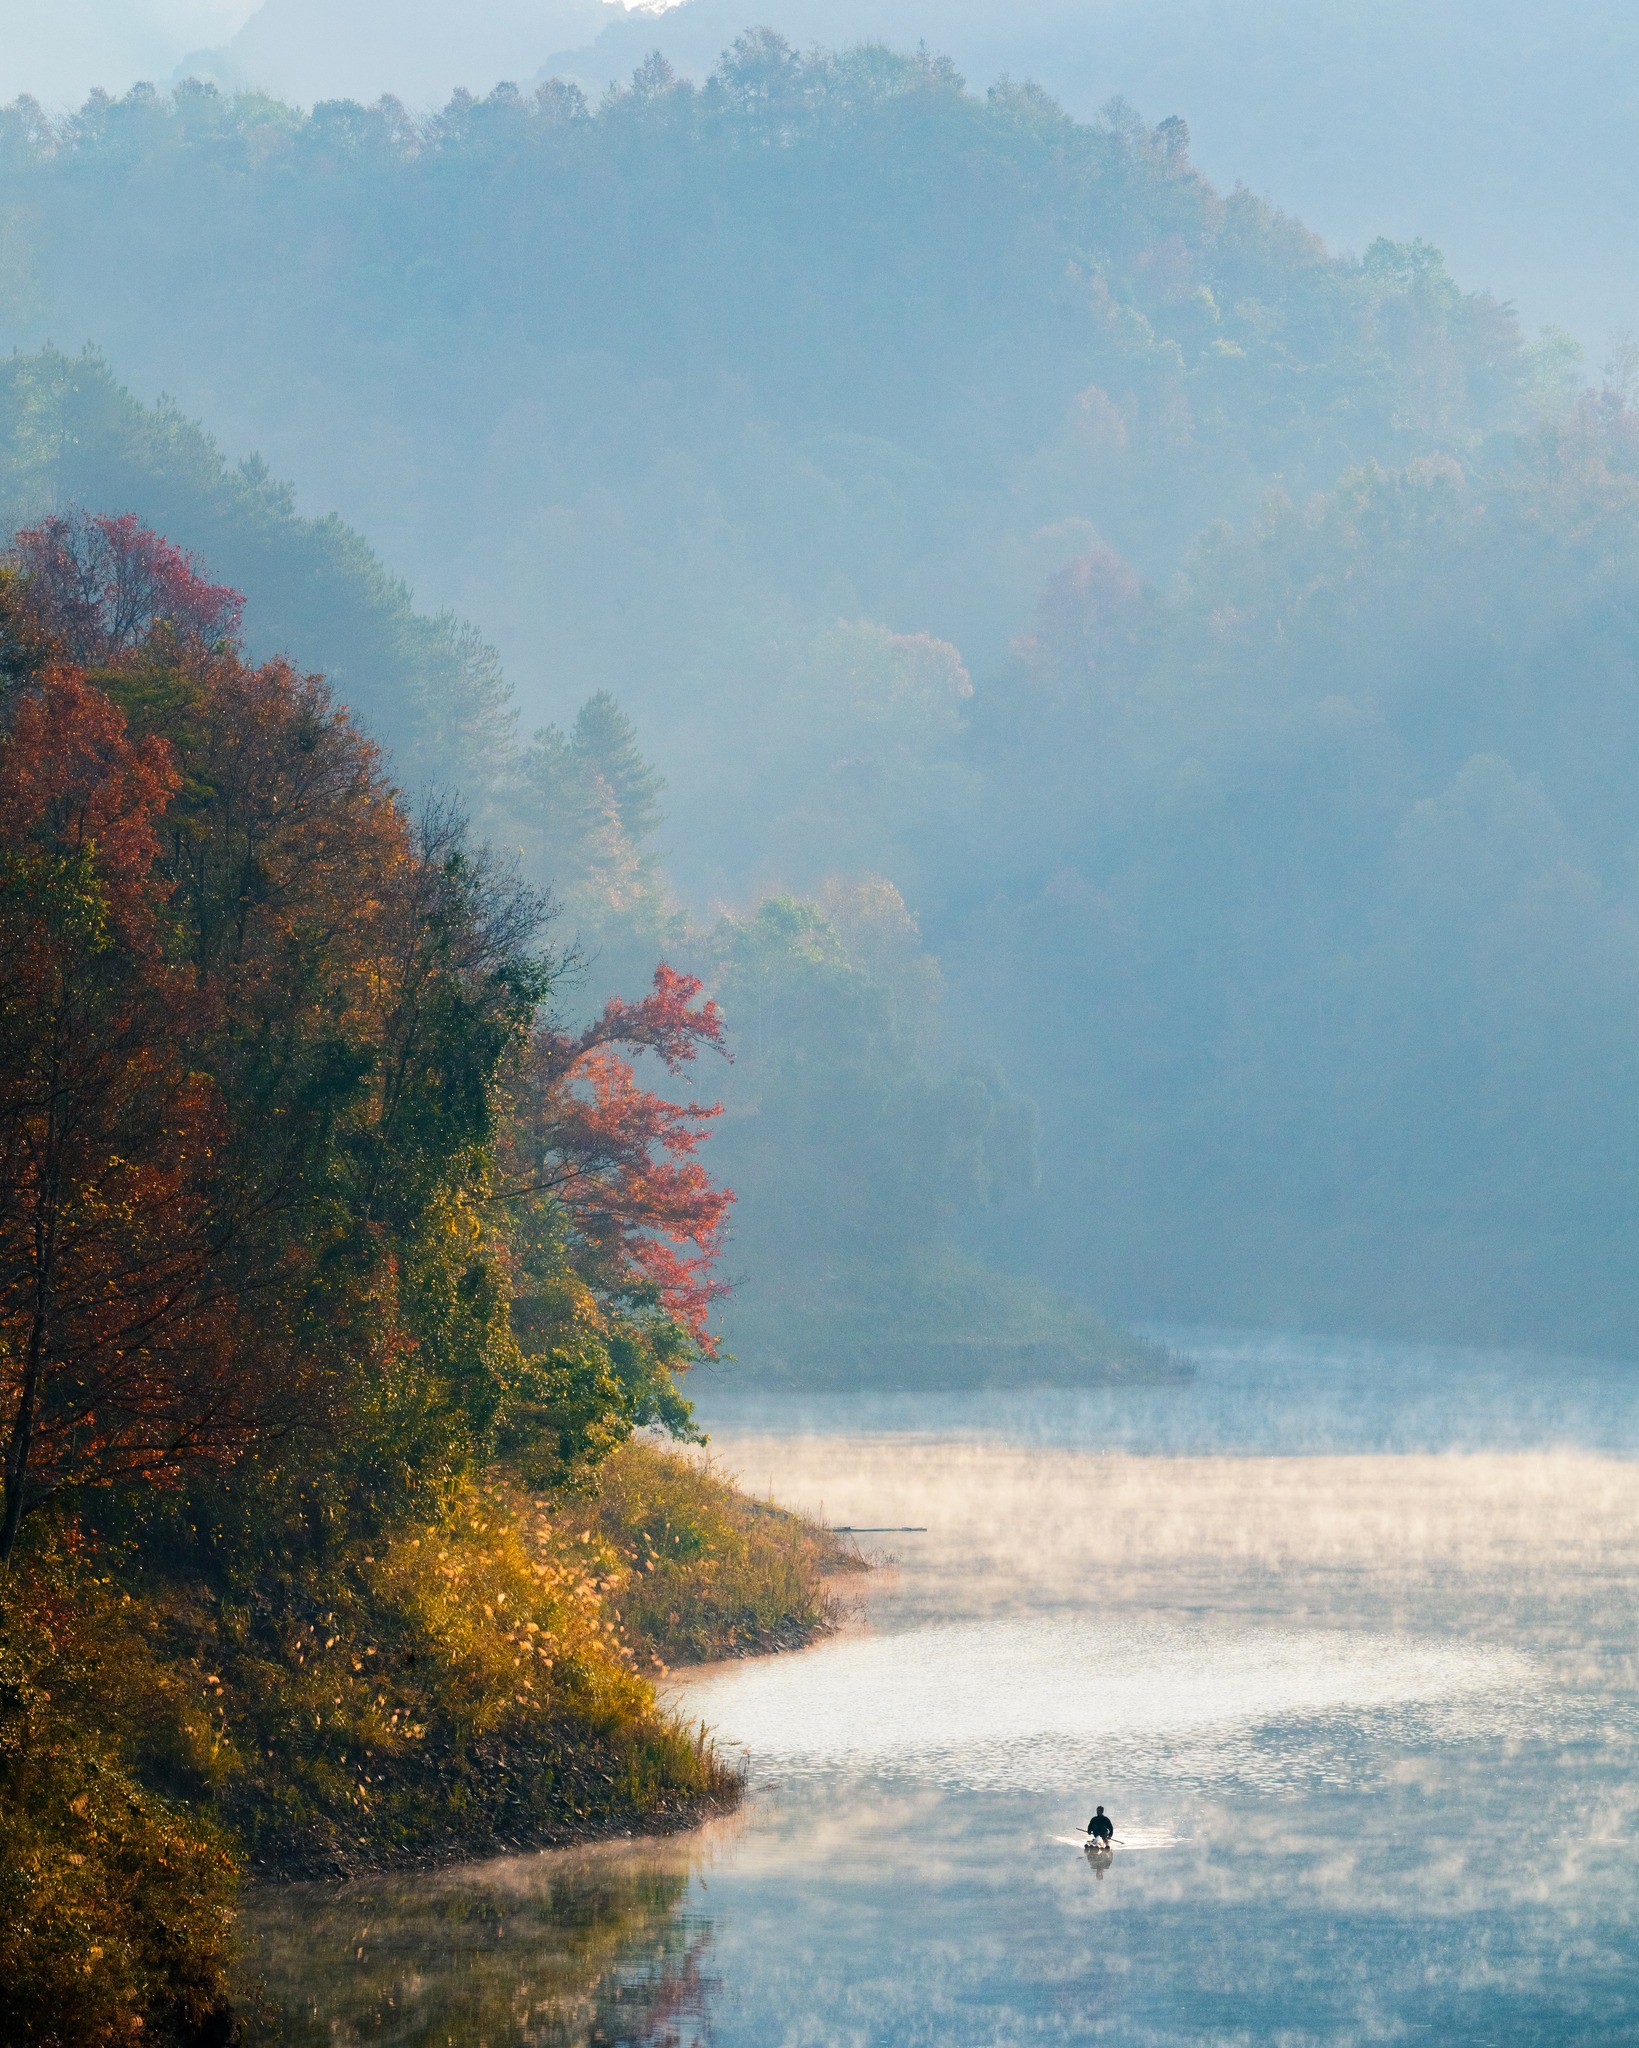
(1101, 1828)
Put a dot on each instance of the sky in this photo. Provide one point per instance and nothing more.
(59, 49)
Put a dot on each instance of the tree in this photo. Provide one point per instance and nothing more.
(99, 586)
(606, 748)
(612, 1227)
(619, 1159)
(369, 976)
(27, 645)
(595, 802)
(117, 1351)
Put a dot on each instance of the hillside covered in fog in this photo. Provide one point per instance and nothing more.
(1500, 129)
(1138, 677)
(661, 391)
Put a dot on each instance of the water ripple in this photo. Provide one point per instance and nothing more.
(1039, 1703)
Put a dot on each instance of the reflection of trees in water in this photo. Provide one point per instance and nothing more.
(554, 1952)
(653, 2007)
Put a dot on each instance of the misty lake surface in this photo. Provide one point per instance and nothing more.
(1344, 1637)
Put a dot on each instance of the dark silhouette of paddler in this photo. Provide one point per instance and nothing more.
(1101, 1828)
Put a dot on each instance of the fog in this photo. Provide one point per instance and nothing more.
(1497, 131)
(1126, 700)
(1362, 1718)
(58, 54)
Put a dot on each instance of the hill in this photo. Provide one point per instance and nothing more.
(1496, 128)
(659, 391)
(1308, 903)
(1107, 650)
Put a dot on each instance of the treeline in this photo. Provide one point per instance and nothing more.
(661, 388)
(1312, 897)
(334, 1264)
(847, 236)
(1492, 125)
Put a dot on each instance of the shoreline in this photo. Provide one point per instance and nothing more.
(815, 1608)
(658, 1827)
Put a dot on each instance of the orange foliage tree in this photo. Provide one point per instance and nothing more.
(116, 1342)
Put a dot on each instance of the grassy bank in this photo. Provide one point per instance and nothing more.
(697, 1570)
(116, 1903)
(479, 1681)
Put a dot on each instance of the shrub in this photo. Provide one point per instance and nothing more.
(115, 1903)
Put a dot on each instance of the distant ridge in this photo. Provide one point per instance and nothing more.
(417, 50)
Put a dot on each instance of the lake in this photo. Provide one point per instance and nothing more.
(1342, 1635)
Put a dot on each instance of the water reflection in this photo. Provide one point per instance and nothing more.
(592, 1949)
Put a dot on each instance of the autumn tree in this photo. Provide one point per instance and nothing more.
(100, 585)
(117, 1353)
(28, 646)
(620, 1158)
(371, 971)
(616, 1224)
(290, 1154)
(251, 1020)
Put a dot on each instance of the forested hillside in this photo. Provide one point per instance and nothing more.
(1146, 690)
(337, 1270)
(1312, 888)
(658, 391)
(841, 1063)
(1498, 128)
(428, 687)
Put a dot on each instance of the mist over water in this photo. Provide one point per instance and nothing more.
(1354, 1676)
(1052, 1706)
(1250, 1393)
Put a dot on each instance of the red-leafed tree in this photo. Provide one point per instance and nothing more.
(117, 1352)
(620, 1158)
(101, 585)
